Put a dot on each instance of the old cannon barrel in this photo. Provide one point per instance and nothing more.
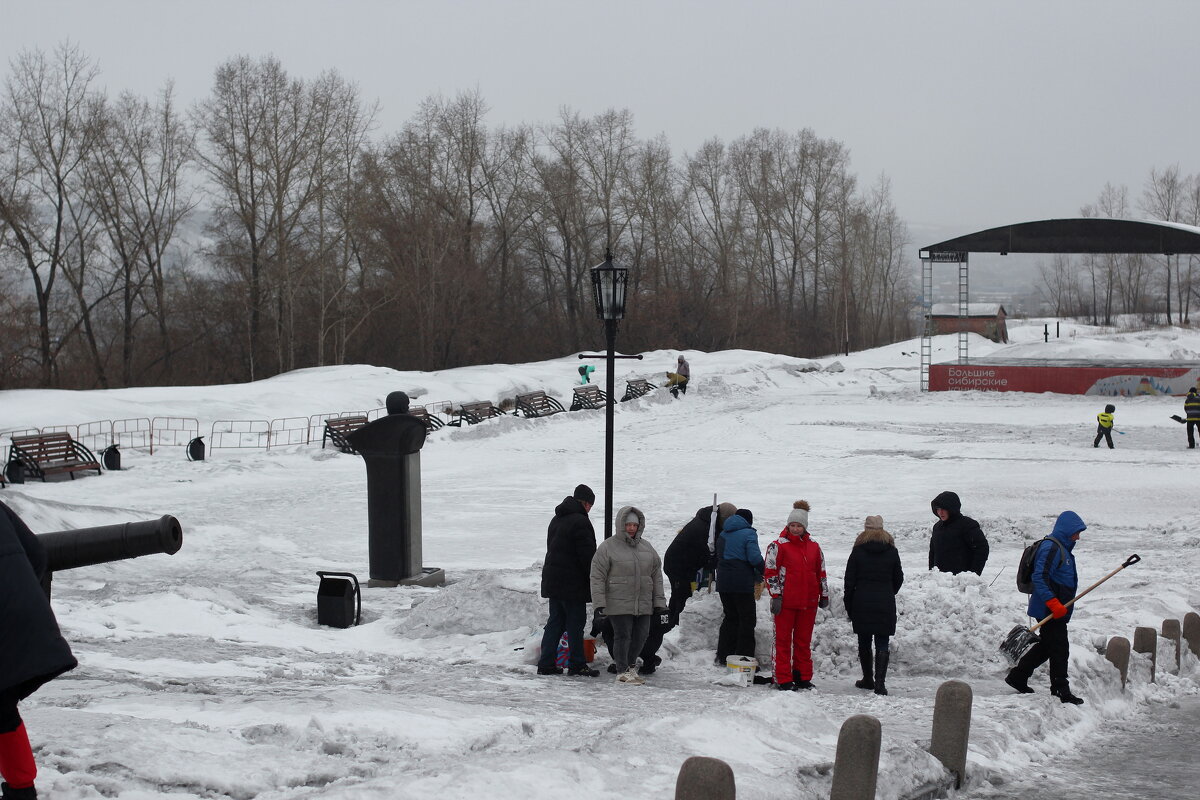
(85, 547)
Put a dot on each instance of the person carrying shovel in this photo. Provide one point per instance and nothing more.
(1055, 581)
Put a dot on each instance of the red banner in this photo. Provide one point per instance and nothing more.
(1124, 380)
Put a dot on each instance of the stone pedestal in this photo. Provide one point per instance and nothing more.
(952, 727)
(856, 766)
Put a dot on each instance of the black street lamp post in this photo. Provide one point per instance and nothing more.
(609, 283)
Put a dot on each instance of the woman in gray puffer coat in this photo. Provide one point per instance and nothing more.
(627, 588)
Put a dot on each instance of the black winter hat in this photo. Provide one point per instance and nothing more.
(746, 514)
(1110, 408)
(584, 494)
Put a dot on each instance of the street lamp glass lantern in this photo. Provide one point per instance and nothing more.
(609, 282)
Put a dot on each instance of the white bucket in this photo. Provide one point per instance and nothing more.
(743, 667)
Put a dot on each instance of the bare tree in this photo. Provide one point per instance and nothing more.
(48, 127)
(135, 185)
(1162, 198)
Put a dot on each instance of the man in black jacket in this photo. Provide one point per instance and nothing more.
(1191, 407)
(957, 544)
(689, 553)
(566, 581)
(32, 650)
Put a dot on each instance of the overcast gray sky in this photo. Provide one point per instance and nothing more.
(982, 113)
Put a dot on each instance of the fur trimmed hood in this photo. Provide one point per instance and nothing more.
(875, 535)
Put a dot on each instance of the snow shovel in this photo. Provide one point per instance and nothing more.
(1020, 638)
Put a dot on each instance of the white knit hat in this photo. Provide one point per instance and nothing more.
(799, 513)
(632, 519)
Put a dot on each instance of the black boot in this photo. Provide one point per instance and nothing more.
(1019, 681)
(28, 793)
(881, 665)
(864, 661)
(1063, 692)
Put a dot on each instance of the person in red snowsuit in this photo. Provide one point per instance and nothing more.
(795, 576)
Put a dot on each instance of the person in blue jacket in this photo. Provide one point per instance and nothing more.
(1055, 582)
(739, 571)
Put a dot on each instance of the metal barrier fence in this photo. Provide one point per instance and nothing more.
(96, 435)
(441, 408)
(173, 431)
(6, 440)
(224, 434)
(239, 433)
(133, 432)
(288, 430)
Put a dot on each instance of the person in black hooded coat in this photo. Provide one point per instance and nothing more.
(873, 577)
(566, 581)
(957, 544)
(689, 553)
(32, 650)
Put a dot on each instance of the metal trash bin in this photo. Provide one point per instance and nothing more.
(339, 601)
(111, 457)
(14, 471)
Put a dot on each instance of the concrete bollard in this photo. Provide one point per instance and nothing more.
(704, 778)
(856, 766)
(1191, 632)
(1117, 653)
(952, 728)
(1145, 640)
(1171, 629)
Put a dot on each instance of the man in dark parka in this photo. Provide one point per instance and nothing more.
(32, 650)
(957, 544)
(566, 581)
(689, 553)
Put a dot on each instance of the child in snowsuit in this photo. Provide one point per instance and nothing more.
(739, 571)
(1104, 426)
(795, 575)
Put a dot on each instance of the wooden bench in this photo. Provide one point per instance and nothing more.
(537, 404)
(51, 454)
(636, 388)
(474, 413)
(430, 422)
(338, 428)
(588, 396)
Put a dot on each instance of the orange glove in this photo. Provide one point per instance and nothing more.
(1057, 609)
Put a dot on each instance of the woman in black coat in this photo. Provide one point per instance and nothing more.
(873, 577)
(32, 650)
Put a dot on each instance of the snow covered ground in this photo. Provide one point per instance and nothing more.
(205, 674)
